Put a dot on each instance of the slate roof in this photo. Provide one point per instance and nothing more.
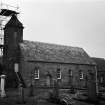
(38, 51)
(100, 63)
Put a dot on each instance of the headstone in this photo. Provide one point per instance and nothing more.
(2, 86)
(21, 93)
(92, 91)
(91, 84)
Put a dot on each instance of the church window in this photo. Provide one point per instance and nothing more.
(70, 72)
(36, 73)
(58, 74)
(81, 74)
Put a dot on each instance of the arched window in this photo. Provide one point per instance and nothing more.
(48, 79)
(36, 73)
(80, 74)
(15, 37)
(58, 74)
(70, 73)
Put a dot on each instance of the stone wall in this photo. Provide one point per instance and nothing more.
(27, 71)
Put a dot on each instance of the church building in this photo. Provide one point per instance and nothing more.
(41, 64)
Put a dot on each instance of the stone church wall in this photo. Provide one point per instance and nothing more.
(27, 71)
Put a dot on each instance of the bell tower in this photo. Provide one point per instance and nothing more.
(13, 35)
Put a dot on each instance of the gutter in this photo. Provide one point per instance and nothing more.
(32, 61)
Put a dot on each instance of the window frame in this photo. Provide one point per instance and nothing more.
(59, 73)
(81, 75)
(36, 73)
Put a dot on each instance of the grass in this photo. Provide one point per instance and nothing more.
(13, 98)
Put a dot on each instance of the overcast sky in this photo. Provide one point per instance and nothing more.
(78, 23)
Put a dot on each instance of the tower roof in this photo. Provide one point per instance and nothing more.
(14, 22)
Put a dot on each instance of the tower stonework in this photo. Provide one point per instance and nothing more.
(13, 35)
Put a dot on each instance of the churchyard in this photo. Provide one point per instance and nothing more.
(14, 97)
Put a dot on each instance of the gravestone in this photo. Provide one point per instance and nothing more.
(2, 86)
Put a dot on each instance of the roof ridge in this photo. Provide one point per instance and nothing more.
(53, 44)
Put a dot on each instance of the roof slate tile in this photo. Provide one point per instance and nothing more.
(38, 51)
